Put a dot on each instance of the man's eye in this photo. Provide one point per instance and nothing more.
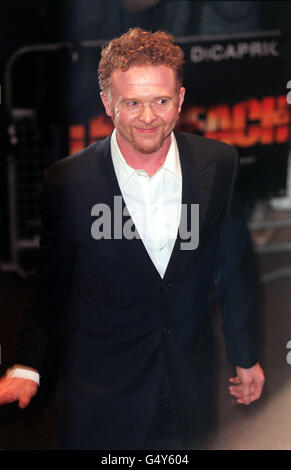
(132, 103)
(162, 101)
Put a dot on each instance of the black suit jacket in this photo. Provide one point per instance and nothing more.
(125, 326)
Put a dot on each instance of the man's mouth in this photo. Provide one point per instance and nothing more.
(147, 130)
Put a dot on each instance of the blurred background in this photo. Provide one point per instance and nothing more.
(237, 79)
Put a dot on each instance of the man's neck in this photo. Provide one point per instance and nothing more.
(150, 163)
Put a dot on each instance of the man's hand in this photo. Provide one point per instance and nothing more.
(248, 384)
(14, 388)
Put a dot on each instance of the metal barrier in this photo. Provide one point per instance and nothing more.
(32, 148)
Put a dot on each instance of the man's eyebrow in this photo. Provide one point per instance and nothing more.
(129, 98)
(132, 98)
(164, 97)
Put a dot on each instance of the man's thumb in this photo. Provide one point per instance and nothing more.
(26, 395)
(24, 400)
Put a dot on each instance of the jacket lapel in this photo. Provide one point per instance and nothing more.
(100, 185)
(197, 182)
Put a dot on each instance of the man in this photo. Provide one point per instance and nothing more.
(117, 256)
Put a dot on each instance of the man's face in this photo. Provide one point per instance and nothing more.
(144, 104)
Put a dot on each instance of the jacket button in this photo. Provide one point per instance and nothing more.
(167, 285)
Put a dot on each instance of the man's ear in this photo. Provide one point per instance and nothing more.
(106, 103)
(181, 98)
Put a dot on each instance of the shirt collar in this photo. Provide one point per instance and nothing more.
(124, 171)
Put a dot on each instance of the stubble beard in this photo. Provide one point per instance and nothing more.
(144, 149)
(147, 150)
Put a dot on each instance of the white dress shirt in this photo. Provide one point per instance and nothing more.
(154, 204)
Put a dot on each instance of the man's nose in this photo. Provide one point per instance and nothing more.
(147, 115)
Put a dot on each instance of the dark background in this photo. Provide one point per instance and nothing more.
(31, 22)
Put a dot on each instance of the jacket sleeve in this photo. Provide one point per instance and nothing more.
(236, 282)
(40, 332)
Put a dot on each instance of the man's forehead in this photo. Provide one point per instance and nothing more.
(144, 73)
(144, 77)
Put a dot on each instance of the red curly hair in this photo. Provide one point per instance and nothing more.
(139, 47)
